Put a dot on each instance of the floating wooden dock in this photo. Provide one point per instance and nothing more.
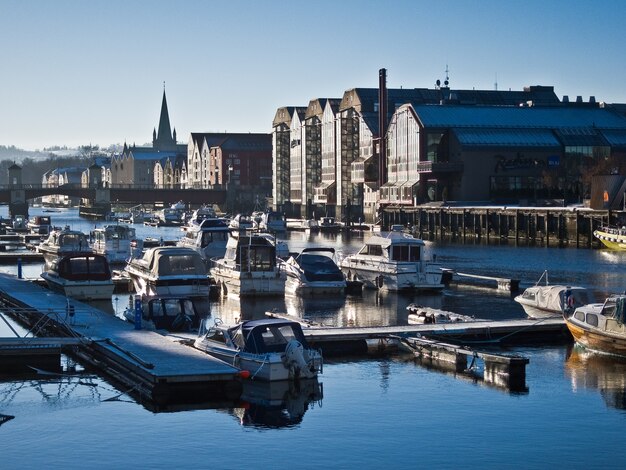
(507, 371)
(507, 284)
(146, 362)
(358, 340)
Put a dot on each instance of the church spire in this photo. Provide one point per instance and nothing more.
(164, 135)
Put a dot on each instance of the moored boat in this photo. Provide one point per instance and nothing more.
(270, 222)
(171, 313)
(63, 242)
(313, 272)
(249, 266)
(117, 242)
(612, 237)
(209, 239)
(329, 225)
(548, 300)
(169, 270)
(270, 349)
(600, 327)
(241, 222)
(39, 225)
(395, 262)
(83, 276)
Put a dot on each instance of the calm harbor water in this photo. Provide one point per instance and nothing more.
(368, 413)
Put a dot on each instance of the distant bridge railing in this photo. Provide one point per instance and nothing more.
(176, 187)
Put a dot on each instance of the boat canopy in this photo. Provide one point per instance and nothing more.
(266, 336)
(319, 268)
(553, 297)
(83, 268)
(174, 261)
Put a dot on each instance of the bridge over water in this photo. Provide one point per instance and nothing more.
(17, 196)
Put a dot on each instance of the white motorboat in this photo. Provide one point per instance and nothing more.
(241, 222)
(62, 242)
(249, 266)
(118, 243)
(269, 349)
(550, 300)
(314, 272)
(39, 225)
(82, 276)
(600, 327)
(395, 262)
(304, 225)
(329, 225)
(197, 216)
(270, 222)
(169, 270)
(169, 313)
(209, 239)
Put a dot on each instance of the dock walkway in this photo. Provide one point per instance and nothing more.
(144, 360)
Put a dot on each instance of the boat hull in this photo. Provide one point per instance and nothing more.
(614, 241)
(598, 341)
(194, 288)
(537, 312)
(294, 286)
(252, 283)
(267, 367)
(81, 290)
(391, 277)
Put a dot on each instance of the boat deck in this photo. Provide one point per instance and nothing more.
(143, 359)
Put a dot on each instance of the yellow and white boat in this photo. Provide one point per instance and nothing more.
(612, 237)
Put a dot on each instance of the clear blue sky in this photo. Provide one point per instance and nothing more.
(80, 72)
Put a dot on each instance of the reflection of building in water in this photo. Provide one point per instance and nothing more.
(277, 404)
(588, 370)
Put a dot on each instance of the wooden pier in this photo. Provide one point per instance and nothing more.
(544, 226)
(154, 366)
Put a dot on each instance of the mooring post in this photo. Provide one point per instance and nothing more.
(138, 313)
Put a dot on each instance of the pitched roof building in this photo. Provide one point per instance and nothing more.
(135, 165)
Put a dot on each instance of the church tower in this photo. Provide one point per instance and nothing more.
(162, 139)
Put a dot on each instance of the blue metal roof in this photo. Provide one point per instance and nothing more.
(153, 155)
(615, 138)
(507, 137)
(518, 117)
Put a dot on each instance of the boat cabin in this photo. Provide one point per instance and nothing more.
(86, 267)
(400, 249)
(258, 336)
(252, 253)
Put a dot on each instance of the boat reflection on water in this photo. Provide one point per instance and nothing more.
(607, 374)
(281, 404)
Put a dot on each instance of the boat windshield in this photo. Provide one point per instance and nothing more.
(264, 338)
(615, 308)
(319, 268)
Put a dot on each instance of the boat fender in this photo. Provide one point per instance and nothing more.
(379, 281)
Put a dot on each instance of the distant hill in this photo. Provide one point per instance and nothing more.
(35, 163)
(14, 154)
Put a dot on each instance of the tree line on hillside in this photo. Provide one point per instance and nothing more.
(36, 163)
